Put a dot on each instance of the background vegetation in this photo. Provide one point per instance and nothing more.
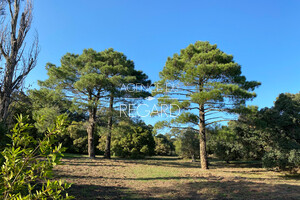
(75, 111)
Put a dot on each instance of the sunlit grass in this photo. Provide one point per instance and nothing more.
(173, 178)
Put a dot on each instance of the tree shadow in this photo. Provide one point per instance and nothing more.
(166, 161)
(93, 192)
(200, 188)
(93, 164)
(172, 164)
(234, 164)
(189, 164)
(216, 188)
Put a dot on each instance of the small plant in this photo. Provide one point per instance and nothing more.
(28, 163)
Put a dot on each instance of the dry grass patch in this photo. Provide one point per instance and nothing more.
(171, 178)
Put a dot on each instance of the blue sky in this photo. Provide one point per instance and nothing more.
(263, 36)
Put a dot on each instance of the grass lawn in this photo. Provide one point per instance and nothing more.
(172, 178)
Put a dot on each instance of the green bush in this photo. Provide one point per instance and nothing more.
(227, 151)
(187, 144)
(130, 140)
(26, 170)
(163, 146)
(282, 160)
(76, 138)
(223, 143)
(281, 132)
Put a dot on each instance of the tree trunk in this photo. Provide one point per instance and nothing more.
(109, 126)
(90, 132)
(203, 154)
(193, 158)
(12, 49)
(4, 105)
(5, 98)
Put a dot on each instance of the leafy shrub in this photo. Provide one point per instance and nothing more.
(163, 146)
(227, 151)
(282, 160)
(137, 142)
(223, 143)
(26, 170)
(76, 138)
(130, 140)
(187, 144)
(281, 130)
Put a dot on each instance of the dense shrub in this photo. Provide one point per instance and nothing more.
(76, 138)
(281, 128)
(163, 146)
(187, 144)
(223, 143)
(130, 140)
(282, 160)
(227, 151)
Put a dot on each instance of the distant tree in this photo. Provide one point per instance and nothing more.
(163, 146)
(271, 134)
(248, 134)
(16, 60)
(223, 143)
(280, 132)
(48, 104)
(131, 139)
(45, 105)
(79, 139)
(187, 144)
(207, 81)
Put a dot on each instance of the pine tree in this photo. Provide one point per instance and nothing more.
(91, 80)
(202, 80)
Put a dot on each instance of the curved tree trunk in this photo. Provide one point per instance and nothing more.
(203, 154)
(109, 126)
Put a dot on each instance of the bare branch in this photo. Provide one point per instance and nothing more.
(13, 48)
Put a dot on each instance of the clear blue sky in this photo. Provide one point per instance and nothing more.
(263, 36)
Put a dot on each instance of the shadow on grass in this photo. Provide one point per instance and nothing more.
(96, 192)
(163, 163)
(204, 188)
(166, 161)
(167, 178)
(200, 186)
(92, 164)
(188, 164)
(226, 189)
(291, 177)
(93, 192)
(213, 163)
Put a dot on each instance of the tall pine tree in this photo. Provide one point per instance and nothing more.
(203, 81)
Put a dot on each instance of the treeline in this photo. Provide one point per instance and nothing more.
(86, 89)
(270, 135)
